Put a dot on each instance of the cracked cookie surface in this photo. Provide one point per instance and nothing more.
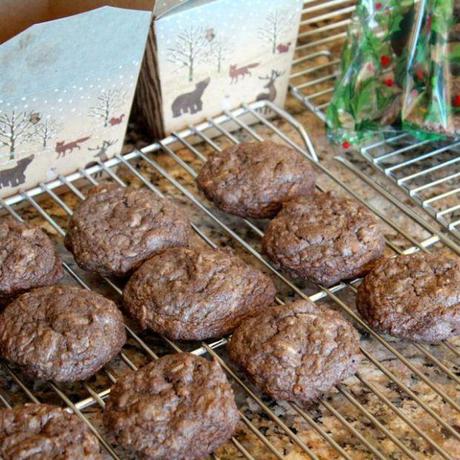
(115, 229)
(297, 351)
(324, 238)
(416, 297)
(28, 259)
(194, 294)
(180, 406)
(253, 179)
(44, 432)
(61, 333)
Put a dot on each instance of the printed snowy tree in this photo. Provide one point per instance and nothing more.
(107, 102)
(276, 24)
(46, 129)
(219, 51)
(191, 48)
(16, 128)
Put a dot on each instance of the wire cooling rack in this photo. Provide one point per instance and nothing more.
(426, 171)
(402, 401)
(323, 29)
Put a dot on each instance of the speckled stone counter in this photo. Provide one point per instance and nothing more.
(363, 409)
(403, 401)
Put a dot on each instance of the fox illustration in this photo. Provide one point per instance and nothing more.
(236, 72)
(190, 102)
(62, 147)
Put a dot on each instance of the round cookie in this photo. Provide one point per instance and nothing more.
(296, 352)
(114, 229)
(324, 238)
(253, 179)
(28, 259)
(195, 294)
(180, 407)
(41, 431)
(61, 333)
(415, 297)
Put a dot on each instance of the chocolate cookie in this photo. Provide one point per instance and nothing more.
(415, 297)
(253, 179)
(61, 333)
(195, 294)
(324, 238)
(115, 229)
(180, 407)
(296, 352)
(44, 432)
(28, 259)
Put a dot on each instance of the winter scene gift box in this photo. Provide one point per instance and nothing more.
(68, 76)
(206, 56)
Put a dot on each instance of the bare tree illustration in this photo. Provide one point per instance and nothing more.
(219, 50)
(15, 128)
(276, 24)
(107, 102)
(46, 129)
(191, 47)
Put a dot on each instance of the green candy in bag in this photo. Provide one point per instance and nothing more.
(368, 94)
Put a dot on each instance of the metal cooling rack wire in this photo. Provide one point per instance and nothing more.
(323, 29)
(426, 171)
(50, 220)
(188, 168)
(99, 397)
(322, 293)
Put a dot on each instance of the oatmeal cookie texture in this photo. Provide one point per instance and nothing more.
(194, 294)
(253, 179)
(41, 431)
(61, 333)
(324, 238)
(28, 259)
(115, 229)
(297, 351)
(179, 407)
(414, 297)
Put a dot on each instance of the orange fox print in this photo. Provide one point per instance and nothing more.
(236, 72)
(62, 147)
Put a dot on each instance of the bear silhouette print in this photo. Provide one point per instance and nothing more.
(15, 176)
(190, 102)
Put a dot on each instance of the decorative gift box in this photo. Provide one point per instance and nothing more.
(206, 56)
(67, 82)
(69, 73)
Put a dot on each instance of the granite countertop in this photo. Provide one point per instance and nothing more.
(340, 401)
(348, 399)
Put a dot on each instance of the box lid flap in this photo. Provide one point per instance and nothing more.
(163, 7)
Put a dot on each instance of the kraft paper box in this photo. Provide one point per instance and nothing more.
(68, 73)
(206, 56)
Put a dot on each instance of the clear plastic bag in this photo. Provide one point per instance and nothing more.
(431, 107)
(368, 94)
